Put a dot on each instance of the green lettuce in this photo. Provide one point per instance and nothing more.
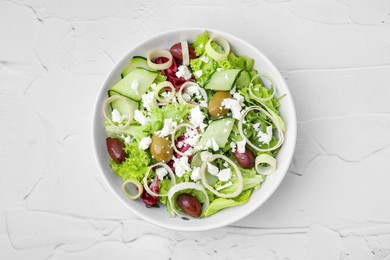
(222, 203)
(200, 43)
(134, 130)
(175, 111)
(135, 165)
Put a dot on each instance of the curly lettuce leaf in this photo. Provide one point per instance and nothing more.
(175, 111)
(200, 43)
(222, 203)
(135, 165)
(135, 131)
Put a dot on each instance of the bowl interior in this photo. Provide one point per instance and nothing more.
(159, 216)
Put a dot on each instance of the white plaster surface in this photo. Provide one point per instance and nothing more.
(335, 200)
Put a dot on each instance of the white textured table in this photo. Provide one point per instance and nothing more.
(335, 200)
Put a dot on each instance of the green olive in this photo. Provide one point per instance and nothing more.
(215, 104)
(161, 149)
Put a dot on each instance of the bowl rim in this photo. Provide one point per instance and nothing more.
(194, 228)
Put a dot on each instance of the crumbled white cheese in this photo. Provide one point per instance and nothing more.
(183, 72)
(224, 174)
(213, 144)
(198, 73)
(265, 137)
(256, 127)
(225, 130)
(233, 146)
(127, 138)
(140, 117)
(239, 98)
(148, 100)
(233, 90)
(228, 184)
(205, 155)
(181, 165)
(203, 103)
(228, 122)
(161, 172)
(241, 146)
(201, 45)
(219, 69)
(164, 94)
(180, 145)
(205, 59)
(153, 86)
(169, 126)
(197, 117)
(117, 117)
(212, 169)
(195, 175)
(225, 164)
(234, 106)
(134, 86)
(144, 143)
(191, 137)
(192, 90)
(186, 97)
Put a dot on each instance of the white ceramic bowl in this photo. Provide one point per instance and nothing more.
(227, 216)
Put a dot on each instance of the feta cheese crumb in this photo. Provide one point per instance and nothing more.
(169, 126)
(195, 175)
(256, 127)
(234, 106)
(117, 117)
(197, 117)
(153, 86)
(212, 169)
(205, 59)
(225, 164)
(233, 146)
(219, 69)
(205, 155)
(224, 174)
(241, 146)
(127, 139)
(134, 86)
(183, 72)
(265, 137)
(144, 143)
(161, 172)
(181, 165)
(198, 73)
(201, 45)
(148, 100)
(215, 145)
(140, 117)
(192, 90)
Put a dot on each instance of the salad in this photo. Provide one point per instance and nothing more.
(195, 128)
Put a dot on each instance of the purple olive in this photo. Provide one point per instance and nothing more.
(189, 204)
(116, 149)
(246, 159)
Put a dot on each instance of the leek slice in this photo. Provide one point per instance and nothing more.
(240, 183)
(214, 54)
(107, 111)
(158, 53)
(137, 184)
(187, 85)
(185, 52)
(145, 179)
(273, 87)
(164, 84)
(186, 153)
(267, 159)
(274, 121)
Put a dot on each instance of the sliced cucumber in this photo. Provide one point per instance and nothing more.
(243, 79)
(135, 62)
(196, 160)
(123, 106)
(218, 130)
(222, 80)
(142, 78)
